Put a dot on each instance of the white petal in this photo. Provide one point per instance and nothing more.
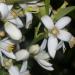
(46, 65)
(13, 31)
(3, 10)
(24, 66)
(47, 21)
(52, 45)
(9, 54)
(10, 16)
(64, 21)
(33, 1)
(17, 21)
(23, 6)
(6, 40)
(60, 45)
(64, 35)
(40, 4)
(10, 7)
(29, 18)
(22, 55)
(42, 55)
(43, 45)
(25, 73)
(13, 70)
(5, 43)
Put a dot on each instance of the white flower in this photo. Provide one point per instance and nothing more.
(13, 31)
(5, 48)
(13, 70)
(56, 31)
(22, 55)
(41, 56)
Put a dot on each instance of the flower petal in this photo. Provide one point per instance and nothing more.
(42, 55)
(17, 21)
(10, 7)
(60, 45)
(24, 66)
(33, 2)
(23, 6)
(46, 65)
(64, 21)
(25, 73)
(52, 45)
(47, 21)
(22, 55)
(4, 11)
(13, 31)
(4, 44)
(43, 45)
(9, 54)
(29, 18)
(13, 70)
(64, 35)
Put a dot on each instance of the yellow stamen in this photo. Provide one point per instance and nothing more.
(2, 33)
(7, 63)
(10, 48)
(54, 31)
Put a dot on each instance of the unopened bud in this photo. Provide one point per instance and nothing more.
(22, 55)
(34, 49)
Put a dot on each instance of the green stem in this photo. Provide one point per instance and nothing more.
(40, 37)
(47, 5)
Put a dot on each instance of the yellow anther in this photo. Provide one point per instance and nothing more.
(10, 47)
(54, 31)
(7, 63)
(2, 33)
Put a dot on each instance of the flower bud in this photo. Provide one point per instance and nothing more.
(22, 55)
(34, 49)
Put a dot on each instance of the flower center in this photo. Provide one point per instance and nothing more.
(10, 47)
(7, 63)
(54, 31)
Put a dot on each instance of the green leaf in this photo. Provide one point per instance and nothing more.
(47, 4)
(62, 12)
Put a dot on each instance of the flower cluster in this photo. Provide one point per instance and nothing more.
(11, 36)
